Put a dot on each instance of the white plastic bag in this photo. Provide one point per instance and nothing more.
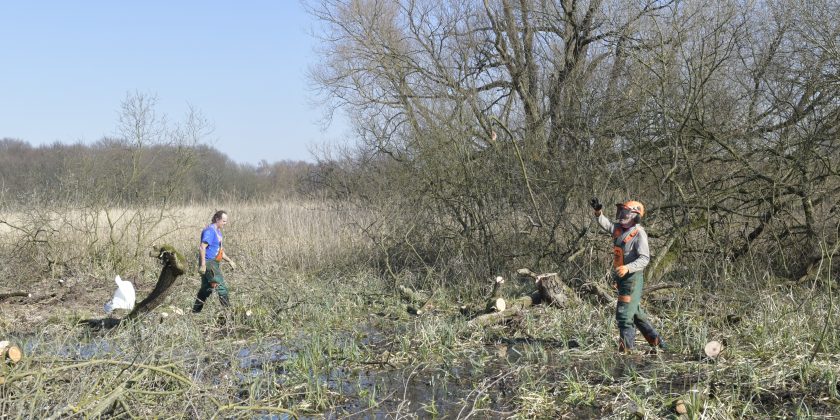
(124, 296)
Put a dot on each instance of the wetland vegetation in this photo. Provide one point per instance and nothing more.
(310, 339)
(481, 132)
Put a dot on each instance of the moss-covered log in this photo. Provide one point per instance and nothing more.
(418, 302)
(418, 298)
(174, 266)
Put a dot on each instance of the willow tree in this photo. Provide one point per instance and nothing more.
(481, 121)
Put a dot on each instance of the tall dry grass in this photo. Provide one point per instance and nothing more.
(66, 241)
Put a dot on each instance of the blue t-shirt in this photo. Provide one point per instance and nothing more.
(211, 236)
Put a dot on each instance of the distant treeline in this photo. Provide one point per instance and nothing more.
(121, 173)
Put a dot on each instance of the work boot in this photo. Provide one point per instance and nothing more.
(657, 345)
(197, 306)
(651, 336)
(626, 339)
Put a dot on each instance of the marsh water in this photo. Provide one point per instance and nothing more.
(481, 381)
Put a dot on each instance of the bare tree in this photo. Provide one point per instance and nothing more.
(722, 117)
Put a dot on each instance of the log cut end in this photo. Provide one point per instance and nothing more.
(500, 305)
(496, 305)
(10, 352)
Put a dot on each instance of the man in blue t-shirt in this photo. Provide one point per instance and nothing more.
(210, 255)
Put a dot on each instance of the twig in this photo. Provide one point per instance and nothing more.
(481, 389)
(660, 286)
(126, 408)
(524, 171)
(180, 378)
(830, 302)
(231, 407)
(104, 406)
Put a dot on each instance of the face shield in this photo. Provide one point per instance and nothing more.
(624, 216)
(622, 213)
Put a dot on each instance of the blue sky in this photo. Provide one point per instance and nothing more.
(65, 67)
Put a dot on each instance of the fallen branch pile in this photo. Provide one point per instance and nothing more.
(140, 385)
(550, 289)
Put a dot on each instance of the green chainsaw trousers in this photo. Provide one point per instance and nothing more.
(629, 314)
(213, 275)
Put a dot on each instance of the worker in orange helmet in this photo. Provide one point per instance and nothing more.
(631, 255)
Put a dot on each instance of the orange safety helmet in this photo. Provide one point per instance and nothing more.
(633, 207)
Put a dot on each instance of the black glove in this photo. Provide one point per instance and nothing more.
(596, 205)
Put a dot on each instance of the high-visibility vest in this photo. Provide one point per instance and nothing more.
(620, 238)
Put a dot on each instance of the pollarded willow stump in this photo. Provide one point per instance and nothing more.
(554, 291)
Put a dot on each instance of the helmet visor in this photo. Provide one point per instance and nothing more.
(624, 213)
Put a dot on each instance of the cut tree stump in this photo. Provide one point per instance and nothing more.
(558, 292)
(10, 352)
(496, 303)
(553, 291)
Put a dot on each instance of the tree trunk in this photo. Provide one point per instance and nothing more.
(173, 267)
(515, 306)
(553, 291)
